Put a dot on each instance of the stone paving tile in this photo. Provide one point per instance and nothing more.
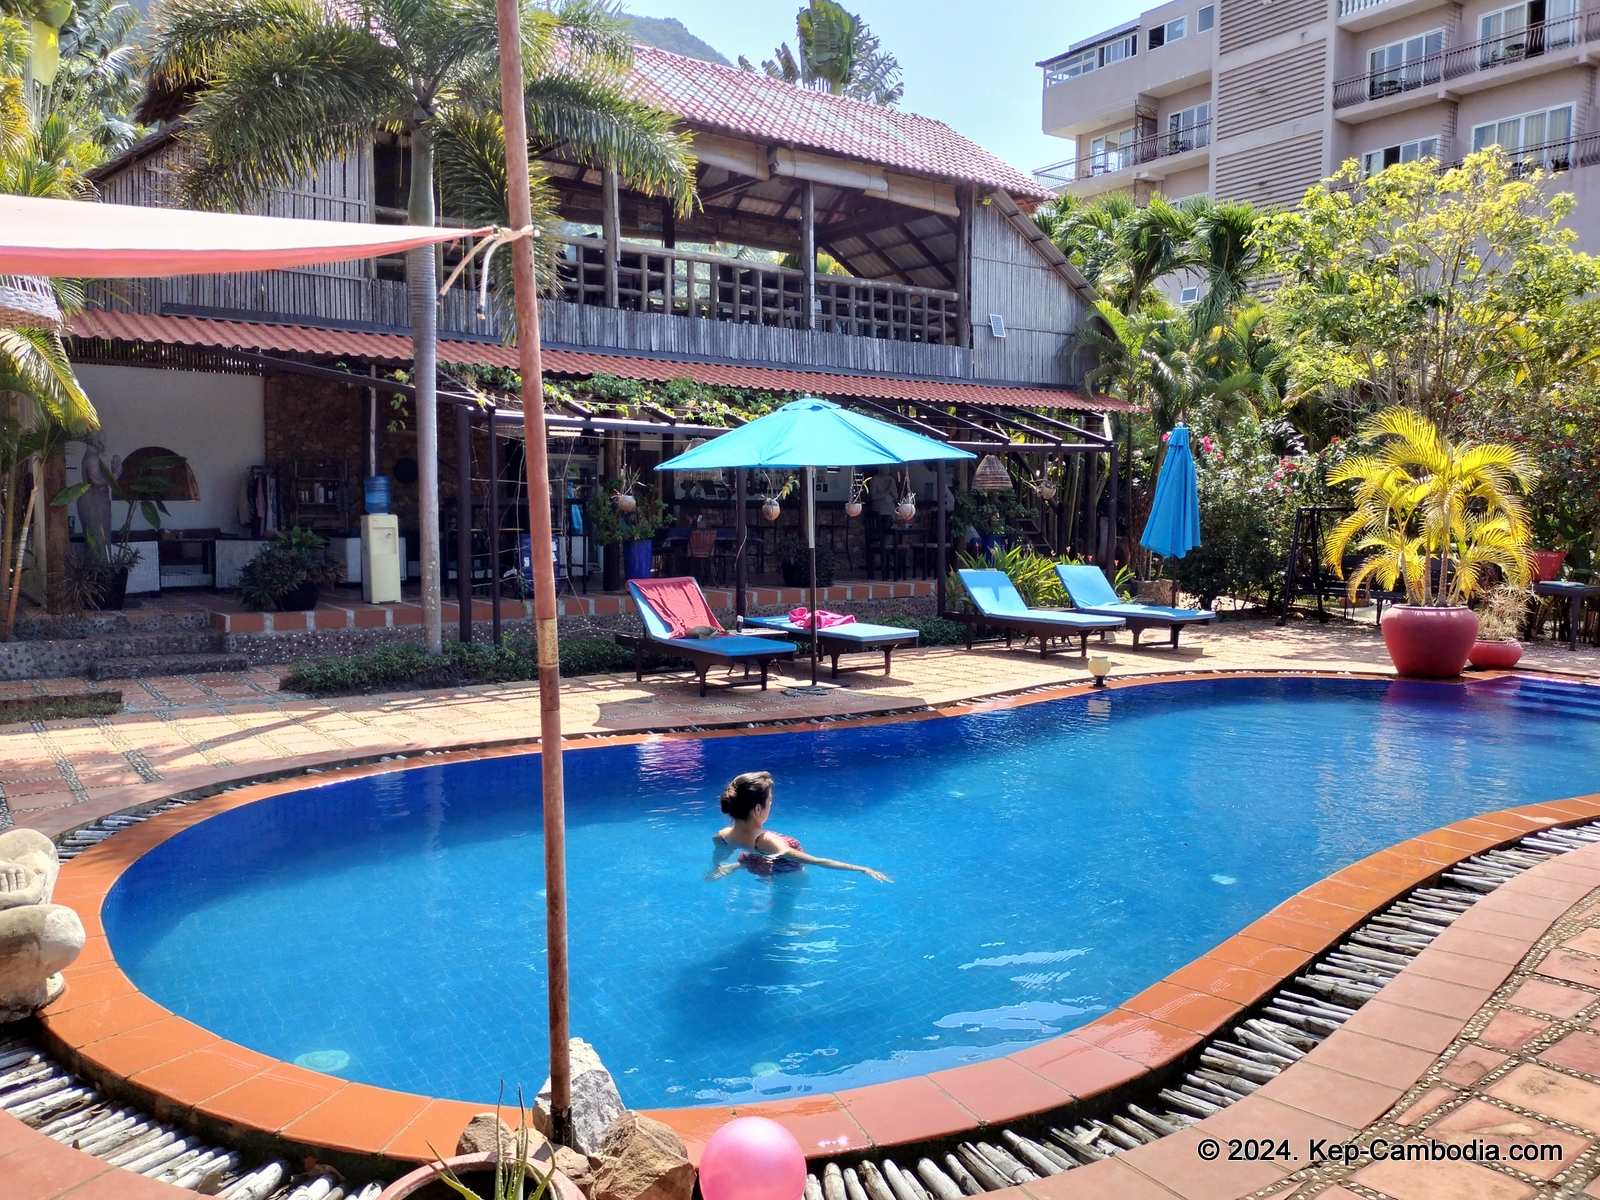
(1524, 1071)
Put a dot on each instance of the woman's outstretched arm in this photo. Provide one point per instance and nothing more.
(833, 864)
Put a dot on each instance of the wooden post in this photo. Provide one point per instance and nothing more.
(669, 225)
(464, 521)
(808, 256)
(611, 229)
(942, 533)
(537, 456)
(741, 527)
(1110, 552)
(611, 556)
(964, 195)
(494, 523)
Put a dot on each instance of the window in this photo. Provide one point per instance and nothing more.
(1539, 139)
(1189, 129)
(1376, 160)
(1111, 152)
(1174, 30)
(1091, 59)
(1189, 295)
(1405, 65)
(1206, 19)
(1523, 30)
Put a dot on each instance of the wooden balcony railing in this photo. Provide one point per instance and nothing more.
(1454, 62)
(712, 287)
(1146, 149)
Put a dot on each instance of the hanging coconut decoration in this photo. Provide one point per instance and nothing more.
(852, 508)
(906, 510)
(770, 508)
(858, 489)
(1046, 490)
(991, 475)
(625, 502)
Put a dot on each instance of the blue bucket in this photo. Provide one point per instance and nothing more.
(636, 559)
(377, 493)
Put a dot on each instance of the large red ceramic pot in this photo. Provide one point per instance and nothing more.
(1495, 656)
(474, 1170)
(1546, 563)
(1429, 643)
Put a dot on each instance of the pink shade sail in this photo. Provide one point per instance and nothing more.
(81, 240)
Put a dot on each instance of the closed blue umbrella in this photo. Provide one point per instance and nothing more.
(1174, 525)
(806, 434)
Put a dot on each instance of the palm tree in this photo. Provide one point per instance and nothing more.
(838, 54)
(281, 86)
(1432, 513)
(1223, 248)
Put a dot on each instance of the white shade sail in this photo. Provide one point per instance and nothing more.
(83, 240)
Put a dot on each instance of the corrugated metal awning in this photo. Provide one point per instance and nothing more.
(396, 348)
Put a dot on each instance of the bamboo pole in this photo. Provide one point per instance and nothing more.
(537, 456)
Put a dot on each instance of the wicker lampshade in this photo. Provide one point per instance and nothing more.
(991, 475)
(704, 476)
(28, 302)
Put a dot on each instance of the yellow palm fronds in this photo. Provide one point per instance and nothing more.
(1431, 512)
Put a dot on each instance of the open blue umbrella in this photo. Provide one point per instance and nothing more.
(1174, 525)
(806, 434)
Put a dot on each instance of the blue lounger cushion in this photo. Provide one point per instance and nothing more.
(1090, 590)
(732, 646)
(996, 596)
(856, 631)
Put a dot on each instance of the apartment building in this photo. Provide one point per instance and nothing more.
(1258, 99)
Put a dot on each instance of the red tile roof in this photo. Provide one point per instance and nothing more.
(753, 104)
(389, 347)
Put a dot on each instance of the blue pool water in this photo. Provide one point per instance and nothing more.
(1049, 862)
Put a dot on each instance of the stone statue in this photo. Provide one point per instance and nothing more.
(37, 939)
(94, 506)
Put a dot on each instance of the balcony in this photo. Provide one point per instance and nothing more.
(1460, 63)
(1149, 149)
(710, 287)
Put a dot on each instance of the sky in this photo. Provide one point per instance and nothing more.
(969, 64)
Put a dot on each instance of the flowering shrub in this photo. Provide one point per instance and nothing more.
(1248, 500)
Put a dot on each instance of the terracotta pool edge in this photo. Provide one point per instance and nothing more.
(1148, 1033)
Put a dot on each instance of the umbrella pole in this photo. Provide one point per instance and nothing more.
(536, 452)
(811, 543)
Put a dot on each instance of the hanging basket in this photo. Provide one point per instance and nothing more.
(29, 302)
(991, 475)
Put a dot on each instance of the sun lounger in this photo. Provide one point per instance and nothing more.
(667, 606)
(1091, 592)
(1001, 606)
(842, 639)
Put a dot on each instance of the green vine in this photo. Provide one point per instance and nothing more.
(610, 526)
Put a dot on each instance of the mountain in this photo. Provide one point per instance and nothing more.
(668, 33)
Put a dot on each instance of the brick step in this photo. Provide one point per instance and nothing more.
(146, 665)
(128, 623)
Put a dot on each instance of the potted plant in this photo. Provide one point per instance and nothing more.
(858, 493)
(610, 524)
(1499, 628)
(100, 580)
(289, 573)
(1434, 516)
(499, 1174)
(794, 560)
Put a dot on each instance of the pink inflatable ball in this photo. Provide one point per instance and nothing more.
(752, 1158)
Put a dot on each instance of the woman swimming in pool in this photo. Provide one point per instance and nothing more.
(748, 800)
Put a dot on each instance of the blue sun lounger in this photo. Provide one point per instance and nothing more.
(841, 639)
(704, 653)
(1001, 606)
(1091, 592)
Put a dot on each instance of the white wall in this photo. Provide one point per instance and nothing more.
(214, 421)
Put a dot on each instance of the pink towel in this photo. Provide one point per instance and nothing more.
(679, 602)
(825, 619)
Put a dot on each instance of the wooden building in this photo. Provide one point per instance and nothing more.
(954, 302)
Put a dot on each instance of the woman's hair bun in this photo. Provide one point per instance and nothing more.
(746, 793)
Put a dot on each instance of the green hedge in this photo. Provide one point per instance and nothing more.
(398, 668)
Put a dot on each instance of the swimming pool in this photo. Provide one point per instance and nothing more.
(1049, 862)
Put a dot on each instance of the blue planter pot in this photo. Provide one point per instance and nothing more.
(990, 545)
(636, 559)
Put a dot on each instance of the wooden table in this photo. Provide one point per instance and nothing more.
(1576, 593)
